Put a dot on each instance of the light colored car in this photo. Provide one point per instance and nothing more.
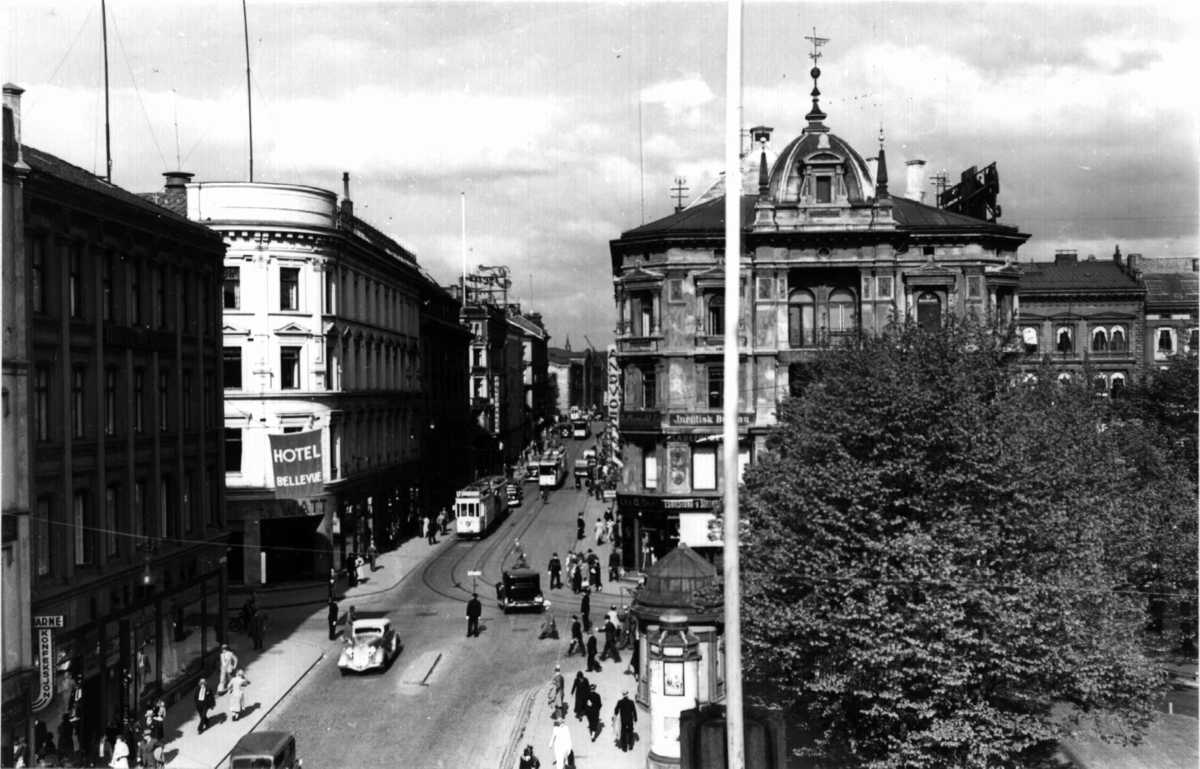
(373, 644)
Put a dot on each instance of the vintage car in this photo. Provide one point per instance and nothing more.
(265, 750)
(520, 589)
(372, 645)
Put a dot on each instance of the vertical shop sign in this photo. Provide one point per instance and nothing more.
(296, 459)
(45, 627)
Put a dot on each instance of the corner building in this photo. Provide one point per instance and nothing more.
(827, 252)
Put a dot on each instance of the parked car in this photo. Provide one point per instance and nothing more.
(265, 750)
(520, 589)
(373, 644)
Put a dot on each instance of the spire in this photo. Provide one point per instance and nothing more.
(815, 115)
(568, 342)
(881, 190)
(764, 182)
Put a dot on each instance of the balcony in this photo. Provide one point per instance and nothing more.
(717, 342)
(638, 345)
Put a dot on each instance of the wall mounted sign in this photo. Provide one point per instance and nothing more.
(296, 459)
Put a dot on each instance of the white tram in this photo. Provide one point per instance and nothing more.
(552, 468)
(479, 506)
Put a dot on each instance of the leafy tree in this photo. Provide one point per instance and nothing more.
(933, 552)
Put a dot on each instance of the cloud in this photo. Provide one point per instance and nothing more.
(681, 98)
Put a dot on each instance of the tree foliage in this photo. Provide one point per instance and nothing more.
(935, 550)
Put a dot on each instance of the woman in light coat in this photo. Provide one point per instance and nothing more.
(560, 743)
(120, 759)
(237, 699)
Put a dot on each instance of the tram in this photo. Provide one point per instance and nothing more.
(580, 429)
(552, 468)
(480, 505)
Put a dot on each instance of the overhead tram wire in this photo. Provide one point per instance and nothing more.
(62, 61)
(138, 93)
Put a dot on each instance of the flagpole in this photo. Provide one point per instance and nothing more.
(464, 249)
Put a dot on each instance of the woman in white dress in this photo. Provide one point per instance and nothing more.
(560, 743)
(237, 699)
(120, 759)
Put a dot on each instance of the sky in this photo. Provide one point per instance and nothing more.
(563, 124)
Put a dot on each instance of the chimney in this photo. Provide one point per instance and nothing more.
(916, 181)
(13, 155)
(1068, 256)
(347, 203)
(1117, 257)
(1135, 266)
(177, 181)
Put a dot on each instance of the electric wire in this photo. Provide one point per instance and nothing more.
(138, 93)
(62, 61)
(271, 116)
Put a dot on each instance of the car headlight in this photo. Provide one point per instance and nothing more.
(537, 599)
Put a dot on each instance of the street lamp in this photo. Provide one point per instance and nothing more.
(147, 547)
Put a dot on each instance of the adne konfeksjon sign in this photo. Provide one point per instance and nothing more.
(296, 458)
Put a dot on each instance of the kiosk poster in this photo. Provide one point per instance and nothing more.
(296, 458)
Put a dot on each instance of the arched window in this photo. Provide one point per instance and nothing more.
(801, 318)
(716, 315)
(1064, 345)
(1099, 340)
(1117, 387)
(1117, 341)
(841, 311)
(929, 310)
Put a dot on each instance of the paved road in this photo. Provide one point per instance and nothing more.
(447, 700)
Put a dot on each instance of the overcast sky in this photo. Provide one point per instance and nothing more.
(566, 123)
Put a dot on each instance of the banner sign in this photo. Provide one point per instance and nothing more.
(641, 420)
(44, 649)
(707, 420)
(659, 503)
(296, 458)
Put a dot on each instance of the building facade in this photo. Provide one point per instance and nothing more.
(534, 372)
(321, 327)
(127, 530)
(827, 253)
(444, 351)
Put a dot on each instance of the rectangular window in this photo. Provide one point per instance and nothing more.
(37, 272)
(330, 292)
(233, 367)
(81, 507)
(111, 500)
(289, 368)
(167, 515)
(1166, 341)
(164, 401)
(139, 401)
(78, 402)
(649, 388)
(210, 484)
(231, 288)
(716, 387)
(824, 189)
(106, 287)
(41, 402)
(185, 405)
(650, 471)
(41, 536)
(716, 315)
(289, 288)
(866, 287)
(883, 287)
(184, 301)
(75, 281)
(974, 286)
(134, 270)
(202, 297)
(704, 468)
(233, 450)
(110, 402)
(160, 298)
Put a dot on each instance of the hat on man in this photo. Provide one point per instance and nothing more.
(624, 692)
(558, 667)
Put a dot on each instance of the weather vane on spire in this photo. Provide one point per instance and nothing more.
(817, 43)
(815, 115)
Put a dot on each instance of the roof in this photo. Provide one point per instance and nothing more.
(1165, 288)
(173, 201)
(672, 584)
(528, 326)
(909, 214)
(44, 163)
(1098, 276)
(261, 742)
(705, 218)
(822, 144)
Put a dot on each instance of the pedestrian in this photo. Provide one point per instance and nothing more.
(560, 745)
(528, 760)
(259, 623)
(351, 617)
(120, 756)
(147, 742)
(614, 565)
(204, 703)
(360, 567)
(332, 583)
(249, 609)
(441, 521)
(430, 531)
(333, 619)
(614, 616)
(549, 626)
(635, 659)
(599, 532)
(555, 569)
(576, 577)
(351, 572)
(66, 738)
(579, 690)
(594, 576)
(610, 642)
(474, 611)
(237, 700)
(576, 636)
(625, 714)
(228, 664)
(585, 609)
(580, 527)
(158, 753)
(593, 712)
(160, 719)
(592, 665)
(372, 554)
(558, 693)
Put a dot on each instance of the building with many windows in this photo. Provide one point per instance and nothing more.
(123, 451)
(827, 252)
(321, 327)
(534, 371)
(444, 345)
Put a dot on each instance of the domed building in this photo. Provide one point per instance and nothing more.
(826, 251)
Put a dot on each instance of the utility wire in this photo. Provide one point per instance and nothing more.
(271, 115)
(138, 92)
(64, 59)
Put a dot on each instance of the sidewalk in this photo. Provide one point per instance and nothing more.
(297, 640)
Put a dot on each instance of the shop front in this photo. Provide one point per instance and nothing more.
(144, 643)
(658, 523)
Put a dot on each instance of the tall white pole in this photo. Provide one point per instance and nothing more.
(734, 719)
(464, 249)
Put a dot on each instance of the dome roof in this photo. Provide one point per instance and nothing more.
(821, 147)
(672, 584)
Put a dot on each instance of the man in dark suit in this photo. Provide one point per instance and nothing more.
(576, 637)
(474, 611)
(626, 713)
(555, 570)
(585, 608)
(610, 642)
(592, 665)
(333, 619)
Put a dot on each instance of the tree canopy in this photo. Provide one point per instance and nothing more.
(938, 551)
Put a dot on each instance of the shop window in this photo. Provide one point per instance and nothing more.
(289, 288)
(801, 319)
(233, 450)
(650, 470)
(841, 311)
(715, 315)
(231, 289)
(716, 387)
(1029, 338)
(289, 368)
(704, 468)
(232, 357)
(84, 527)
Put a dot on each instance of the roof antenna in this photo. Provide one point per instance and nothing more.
(107, 132)
(679, 191)
(249, 107)
(178, 163)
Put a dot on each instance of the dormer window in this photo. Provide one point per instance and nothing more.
(824, 189)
